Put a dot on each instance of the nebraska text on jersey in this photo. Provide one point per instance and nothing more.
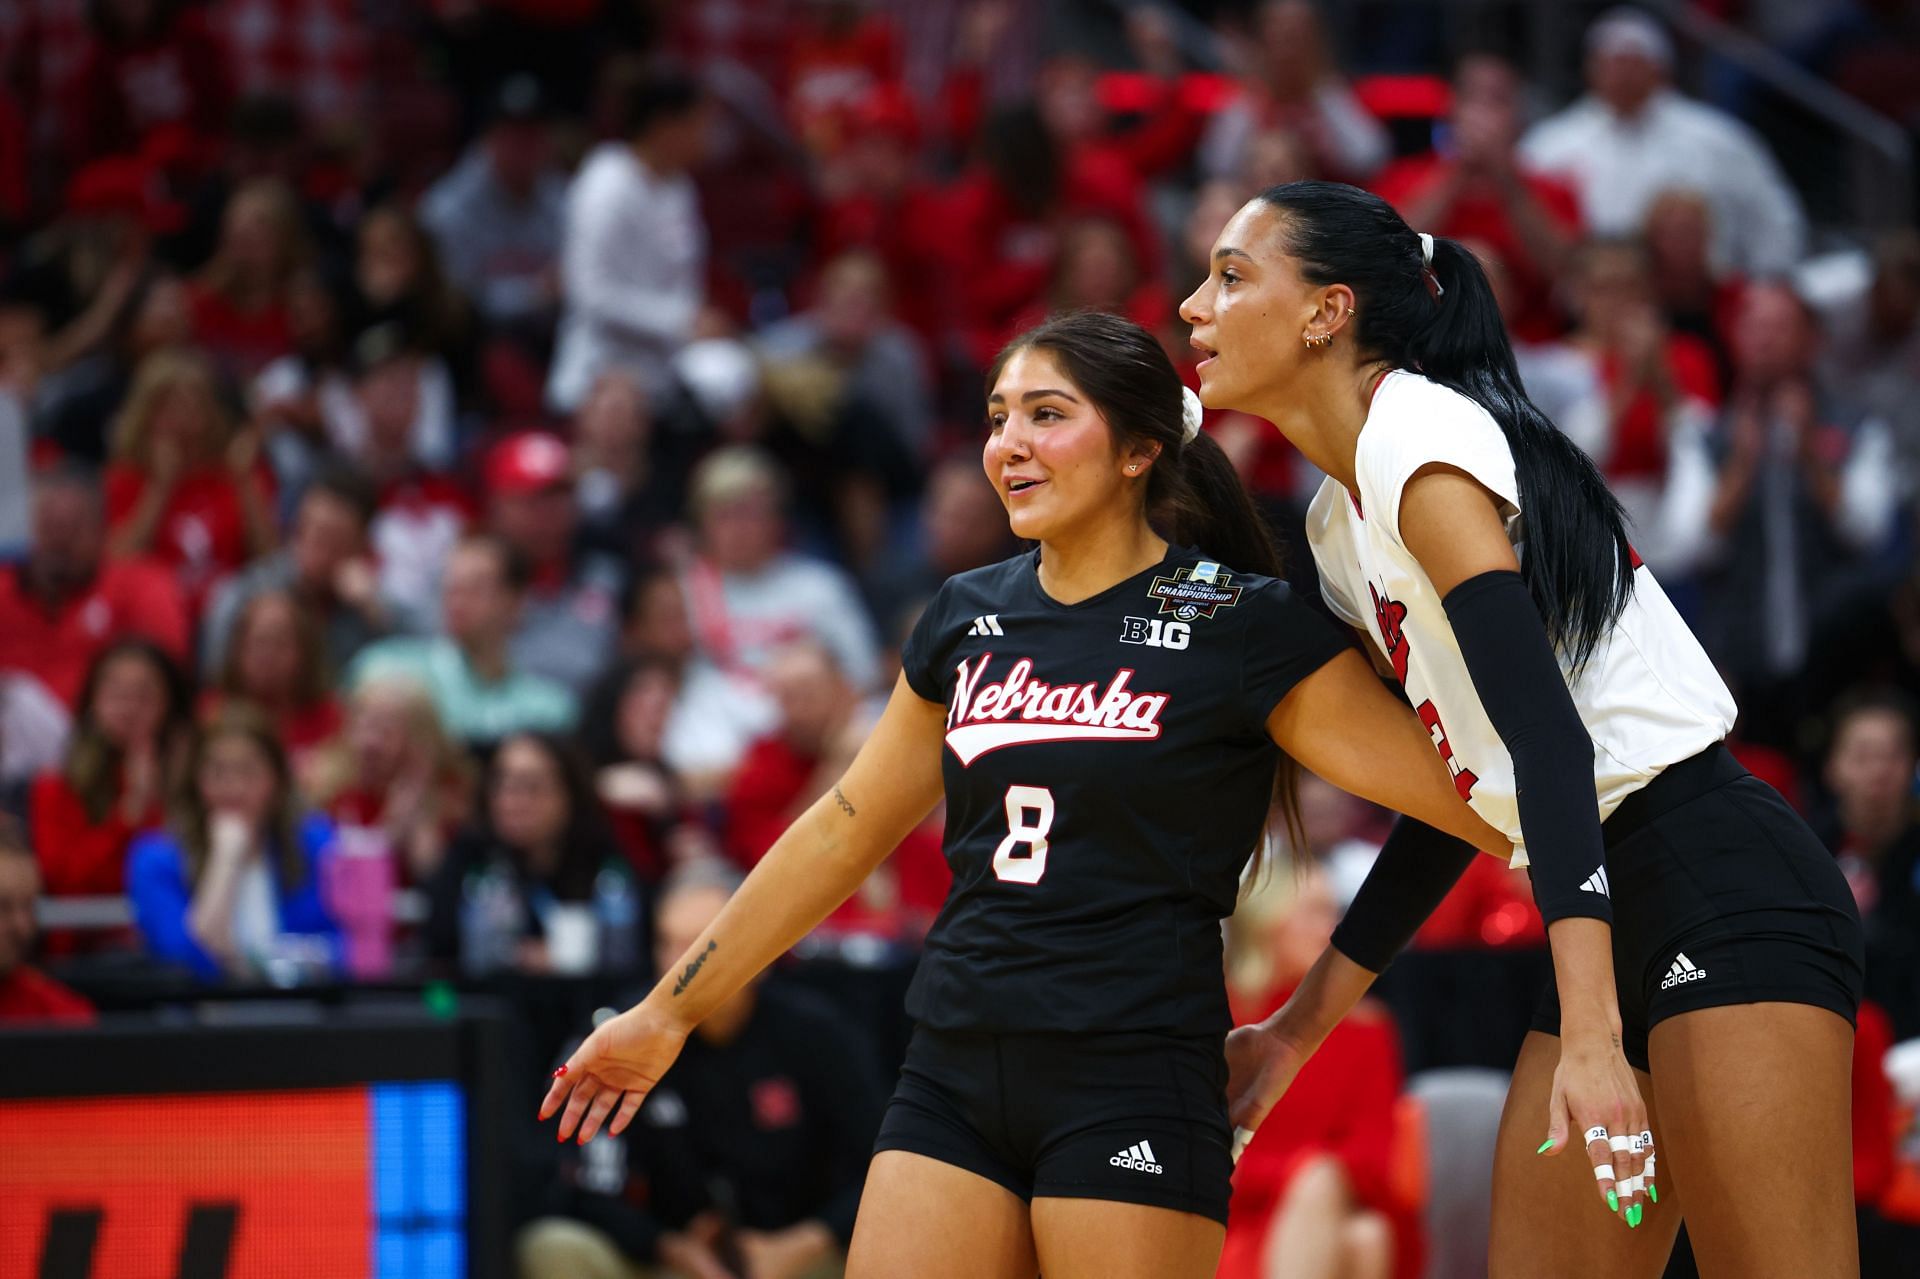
(1021, 710)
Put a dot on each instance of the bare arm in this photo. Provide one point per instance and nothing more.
(1342, 725)
(892, 784)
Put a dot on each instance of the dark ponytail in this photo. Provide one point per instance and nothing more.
(1194, 496)
(1443, 323)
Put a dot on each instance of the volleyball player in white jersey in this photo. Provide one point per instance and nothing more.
(1700, 933)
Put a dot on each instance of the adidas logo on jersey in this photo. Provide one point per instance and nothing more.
(988, 625)
(1597, 883)
(1022, 711)
(1140, 1158)
(1682, 971)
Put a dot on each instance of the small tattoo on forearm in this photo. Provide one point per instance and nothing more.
(694, 967)
(842, 801)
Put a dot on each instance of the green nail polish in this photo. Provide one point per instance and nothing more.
(1653, 1193)
(1545, 1146)
(1613, 1202)
(1633, 1217)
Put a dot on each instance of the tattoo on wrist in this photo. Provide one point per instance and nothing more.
(694, 968)
(842, 801)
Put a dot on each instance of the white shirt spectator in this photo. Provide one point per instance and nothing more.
(291, 378)
(1618, 165)
(497, 248)
(632, 272)
(1338, 131)
(741, 619)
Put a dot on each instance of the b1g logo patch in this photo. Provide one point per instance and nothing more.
(1195, 592)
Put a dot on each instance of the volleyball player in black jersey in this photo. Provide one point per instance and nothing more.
(1107, 715)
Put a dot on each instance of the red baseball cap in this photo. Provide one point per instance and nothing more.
(528, 462)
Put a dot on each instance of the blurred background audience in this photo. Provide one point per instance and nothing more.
(466, 469)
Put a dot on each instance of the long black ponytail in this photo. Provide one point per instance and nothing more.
(1443, 323)
(1194, 496)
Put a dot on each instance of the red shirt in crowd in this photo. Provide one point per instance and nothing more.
(1002, 257)
(80, 857)
(130, 597)
(177, 76)
(1639, 449)
(202, 532)
(244, 342)
(27, 994)
(771, 781)
(1480, 215)
(1340, 1105)
(1491, 907)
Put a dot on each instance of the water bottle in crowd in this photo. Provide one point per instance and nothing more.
(618, 911)
(489, 922)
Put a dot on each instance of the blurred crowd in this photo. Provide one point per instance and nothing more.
(466, 467)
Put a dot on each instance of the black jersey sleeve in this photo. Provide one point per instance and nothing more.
(924, 656)
(1285, 640)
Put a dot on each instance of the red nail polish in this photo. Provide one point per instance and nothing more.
(560, 1073)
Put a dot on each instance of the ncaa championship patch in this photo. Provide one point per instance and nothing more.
(1199, 591)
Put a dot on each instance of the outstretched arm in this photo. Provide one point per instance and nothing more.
(818, 863)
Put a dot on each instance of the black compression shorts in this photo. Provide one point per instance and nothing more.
(1134, 1118)
(1721, 895)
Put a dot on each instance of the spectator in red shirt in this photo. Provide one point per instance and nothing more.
(240, 299)
(1659, 383)
(394, 767)
(874, 196)
(1006, 219)
(1474, 189)
(1311, 1194)
(63, 605)
(276, 661)
(787, 770)
(821, 728)
(135, 716)
(186, 484)
(27, 994)
(149, 63)
(1695, 298)
(1097, 270)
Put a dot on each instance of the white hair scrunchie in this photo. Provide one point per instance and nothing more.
(1190, 411)
(1426, 249)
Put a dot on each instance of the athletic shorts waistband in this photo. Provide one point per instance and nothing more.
(1674, 785)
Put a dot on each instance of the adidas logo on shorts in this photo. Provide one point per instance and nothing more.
(1140, 1158)
(1682, 971)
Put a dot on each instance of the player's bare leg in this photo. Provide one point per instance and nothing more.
(1744, 1090)
(1101, 1239)
(1547, 1217)
(929, 1219)
(1318, 1231)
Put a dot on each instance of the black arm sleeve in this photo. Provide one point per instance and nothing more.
(1519, 683)
(1417, 867)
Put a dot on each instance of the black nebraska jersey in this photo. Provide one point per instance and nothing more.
(1108, 774)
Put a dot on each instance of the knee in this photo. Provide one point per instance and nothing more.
(561, 1248)
(1366, 1244)
(1320, 1181)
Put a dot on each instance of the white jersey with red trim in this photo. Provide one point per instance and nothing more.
(1648, 696)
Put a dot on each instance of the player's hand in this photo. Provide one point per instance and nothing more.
(617, 1066)
(1596, 1104)
(1261, 1065)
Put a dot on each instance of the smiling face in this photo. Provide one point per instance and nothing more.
(1248, 312)
(1050, 453)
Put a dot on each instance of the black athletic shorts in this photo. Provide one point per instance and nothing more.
(1721, 895)
(1132, 1117)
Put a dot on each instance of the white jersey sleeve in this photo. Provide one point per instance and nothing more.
(1415, 423)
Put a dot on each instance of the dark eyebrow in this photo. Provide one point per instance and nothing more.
(1040, 394)
(1222, 253)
